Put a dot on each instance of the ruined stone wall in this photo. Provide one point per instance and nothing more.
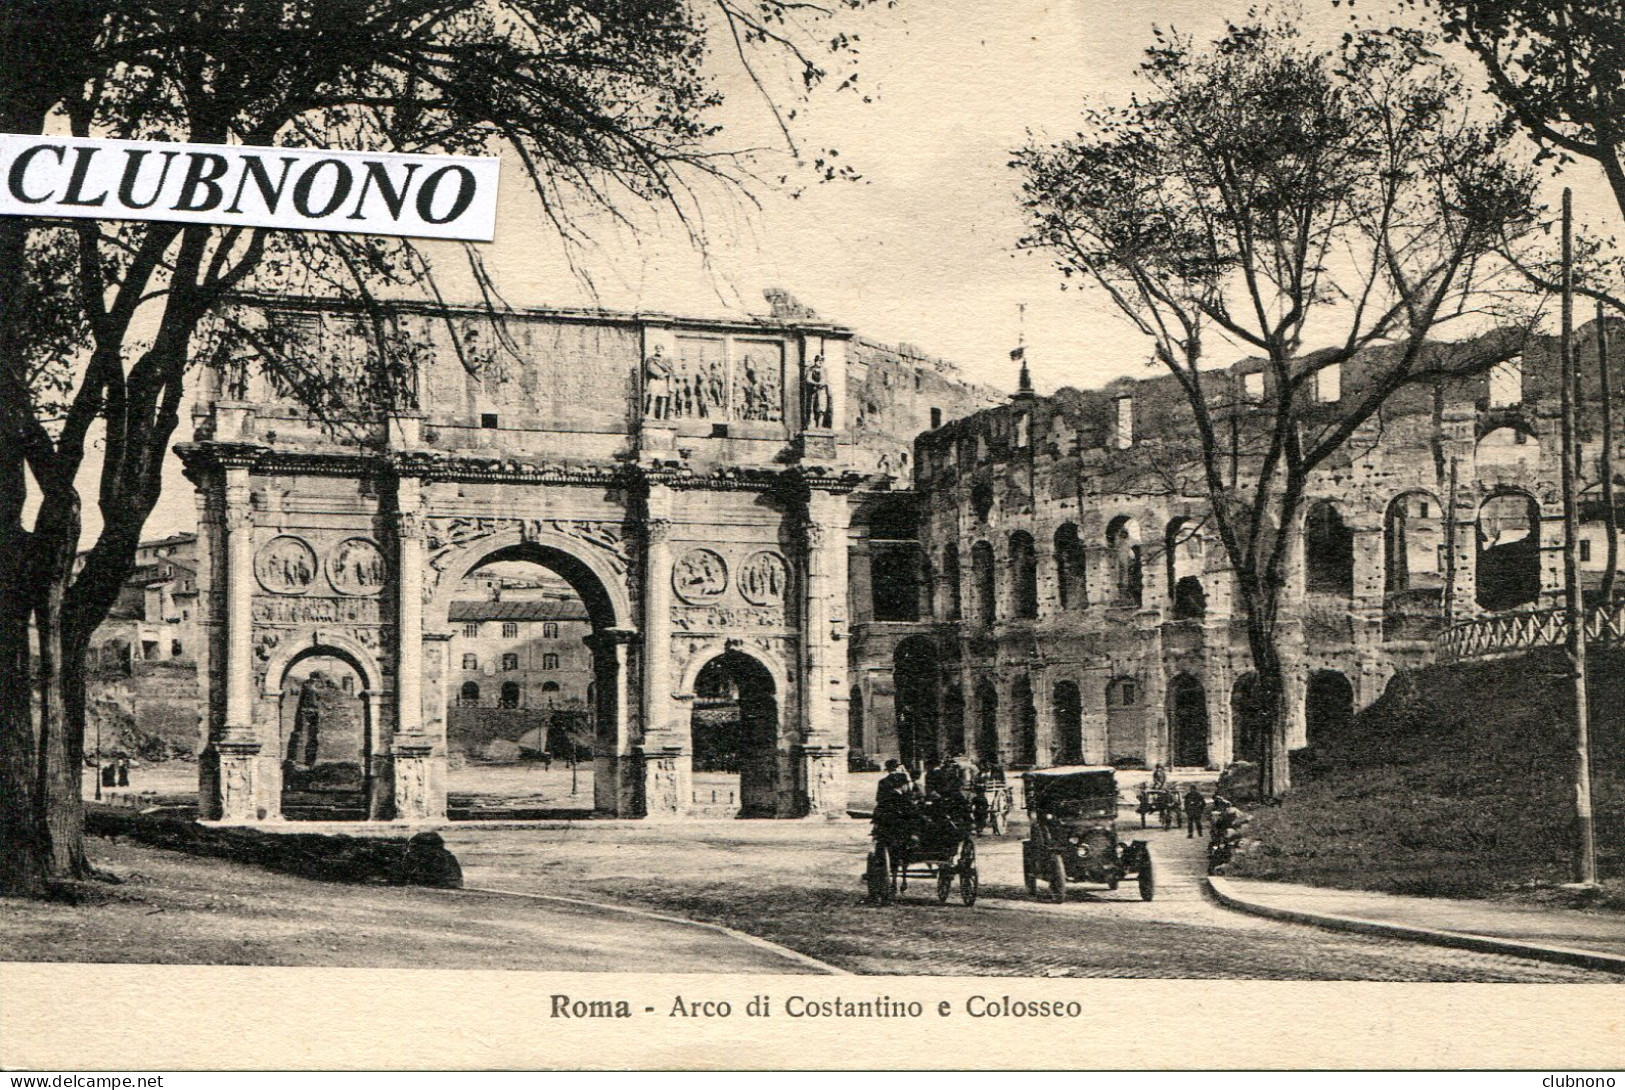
(1413, 518)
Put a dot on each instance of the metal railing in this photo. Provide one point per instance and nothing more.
(1526, 630)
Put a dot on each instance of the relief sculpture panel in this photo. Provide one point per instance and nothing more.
(759, 381)
(356, 566)
(285, 565)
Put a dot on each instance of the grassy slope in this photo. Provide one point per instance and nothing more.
(1456, 783)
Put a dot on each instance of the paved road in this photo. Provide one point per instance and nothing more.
(798, 884)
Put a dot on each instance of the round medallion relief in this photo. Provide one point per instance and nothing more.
(764, 578)
(701, 575)
(285, 565)
(356, 566)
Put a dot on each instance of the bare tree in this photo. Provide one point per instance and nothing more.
(1266, 190)
(605, 106)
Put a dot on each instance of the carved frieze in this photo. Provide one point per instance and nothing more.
(700, 575)
(312, 610)
(356, 566)
(764, 578)
(285, 565)
(715, 618)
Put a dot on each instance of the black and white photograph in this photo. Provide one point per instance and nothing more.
(605, 523)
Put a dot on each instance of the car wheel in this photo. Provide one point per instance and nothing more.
(1057, 878)
(1029, 869)
(1148, 879)
(945, 883)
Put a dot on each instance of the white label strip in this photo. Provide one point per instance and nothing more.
(301, 189)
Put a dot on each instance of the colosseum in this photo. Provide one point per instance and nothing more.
(1070, 603)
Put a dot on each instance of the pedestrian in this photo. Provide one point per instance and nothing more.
(1194, 805)
(124, 770)
(1159, 778)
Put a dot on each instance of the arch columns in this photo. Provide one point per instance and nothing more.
(821, 761)
(665, 786)
(242, 791)
(415, 767)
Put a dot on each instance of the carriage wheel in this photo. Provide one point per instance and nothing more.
(970, 882)
(1057, 878)
(945, 883)
(1167, 816)
(880, 881)
(1148, 879)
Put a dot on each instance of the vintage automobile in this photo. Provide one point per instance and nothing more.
(1073, 837)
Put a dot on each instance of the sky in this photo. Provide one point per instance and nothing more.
(923, 248)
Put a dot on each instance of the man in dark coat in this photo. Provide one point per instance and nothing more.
(1194, 805)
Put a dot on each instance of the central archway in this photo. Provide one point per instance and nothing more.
(533, 680)
(735, 729)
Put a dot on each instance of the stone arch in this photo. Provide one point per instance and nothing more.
(1066, 702)
(1328, 550)
(985, 584)
(1023, 575)
(1328, 705)
(1071, 568)
(987, 724)
(1123, 546)
(1413, 538)
(588, 570)
(593, 578)
(332, 644)
(1187, 721)
(1248, 718)
(1507, 530)
(318, 781)
(914, 675)
(1024, 717)
(737, 725)
(1507, 448)
(719, 646)
(1182, 555)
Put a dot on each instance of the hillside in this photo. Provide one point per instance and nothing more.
(1455, 783)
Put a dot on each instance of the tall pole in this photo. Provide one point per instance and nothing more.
(1610, 514)
(1585, 861)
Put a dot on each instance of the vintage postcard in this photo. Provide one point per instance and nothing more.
(758, 534)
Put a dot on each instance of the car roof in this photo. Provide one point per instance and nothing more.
(1069, 770)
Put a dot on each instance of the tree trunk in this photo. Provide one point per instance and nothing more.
(1274, 771)
(24, 857)
(61, 734)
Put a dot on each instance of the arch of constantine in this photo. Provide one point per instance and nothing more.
(688, 480)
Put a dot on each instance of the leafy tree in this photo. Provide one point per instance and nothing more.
(604, 105)
(1266, 190)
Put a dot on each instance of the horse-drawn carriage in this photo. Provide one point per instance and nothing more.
(1074, 833)
(1165, 802)
(923, 838)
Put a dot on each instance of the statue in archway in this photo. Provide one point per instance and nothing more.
(816, 407)
(657, 385)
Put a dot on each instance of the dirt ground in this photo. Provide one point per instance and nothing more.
(183, 910)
